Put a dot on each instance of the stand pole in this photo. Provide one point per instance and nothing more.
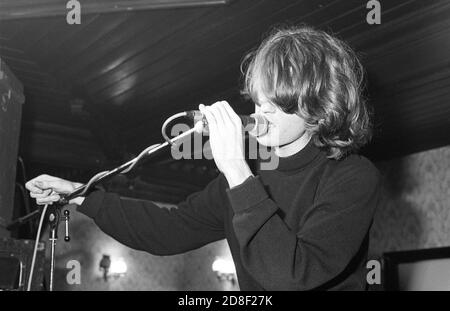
(52, 257)
(54, 218)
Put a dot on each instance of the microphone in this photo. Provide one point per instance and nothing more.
(255, 124)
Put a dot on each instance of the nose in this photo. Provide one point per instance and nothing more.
(265, 107)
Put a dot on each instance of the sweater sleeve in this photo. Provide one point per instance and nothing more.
(143, 225)
(329, 236)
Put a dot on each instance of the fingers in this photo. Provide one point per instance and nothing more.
(221, 115)
(45, 188)
(32, 188)
(44, 182)
(44, 194)
(49, 184)
(48, 200)
(35, 183)
(229, 113)
(206, 111)
(210, 118)
(218, 113)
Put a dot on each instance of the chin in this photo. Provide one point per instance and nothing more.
(268, 140)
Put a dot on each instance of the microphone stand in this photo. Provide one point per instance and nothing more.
(76, 193)
(54, 209)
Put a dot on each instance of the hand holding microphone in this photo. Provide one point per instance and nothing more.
(226, 138)
(255, 124)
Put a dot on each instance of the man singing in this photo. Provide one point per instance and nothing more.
(300, 226)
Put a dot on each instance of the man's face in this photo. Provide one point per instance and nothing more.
(284, 128)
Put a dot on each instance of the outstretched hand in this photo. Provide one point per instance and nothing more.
(46, 189)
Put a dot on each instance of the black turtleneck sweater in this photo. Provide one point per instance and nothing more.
(304, 225)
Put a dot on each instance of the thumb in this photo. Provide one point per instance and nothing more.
(56, 185)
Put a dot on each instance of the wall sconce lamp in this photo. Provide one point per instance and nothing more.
(225, 270)
(112, 268)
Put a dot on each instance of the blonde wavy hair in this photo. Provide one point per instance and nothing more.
(309, 72)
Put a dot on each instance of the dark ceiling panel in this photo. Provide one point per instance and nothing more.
(60, 40)
(140, 26)
(140, 52)
(81, 41)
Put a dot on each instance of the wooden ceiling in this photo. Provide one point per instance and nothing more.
(98, 92)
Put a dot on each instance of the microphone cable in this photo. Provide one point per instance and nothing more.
(36, 243)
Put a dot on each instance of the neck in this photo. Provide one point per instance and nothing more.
(293, 147)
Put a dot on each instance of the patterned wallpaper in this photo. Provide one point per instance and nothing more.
(189, 271)
(415, 209)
